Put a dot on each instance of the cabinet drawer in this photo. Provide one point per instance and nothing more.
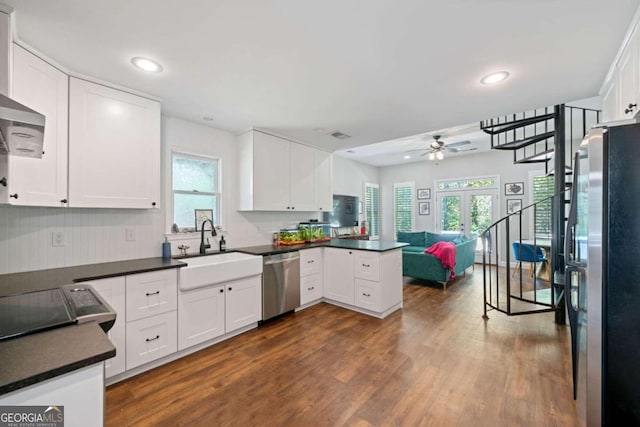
(151, 338)
(367, 265)
(310, 261)
(151, 293)
(310, 288)
(368, 295)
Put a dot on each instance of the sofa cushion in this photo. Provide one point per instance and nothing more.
(413, 238)
(417, 249)
(432, 238)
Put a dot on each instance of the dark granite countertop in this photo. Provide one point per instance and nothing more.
(34, 358)
(29, 281)
(362, 245)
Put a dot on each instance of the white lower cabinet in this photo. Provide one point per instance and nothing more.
(311, 288)
(152, 323)
(113, 291)
(151, 338)
(243, 299)
(200, 316)
(338, 275)
(365, 279)
(207, 313)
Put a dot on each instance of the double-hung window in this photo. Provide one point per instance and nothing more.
(372, 209)
(196, 186)
(403, 206)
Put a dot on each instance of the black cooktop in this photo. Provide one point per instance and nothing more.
(33, 312)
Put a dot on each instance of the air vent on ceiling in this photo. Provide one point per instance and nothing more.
(340, 135)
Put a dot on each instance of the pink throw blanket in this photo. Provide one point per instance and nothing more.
(446, 253)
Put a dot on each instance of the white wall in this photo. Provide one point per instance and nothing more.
(425, 173)
(349, 176)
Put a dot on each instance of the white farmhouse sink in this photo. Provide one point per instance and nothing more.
(214, 269)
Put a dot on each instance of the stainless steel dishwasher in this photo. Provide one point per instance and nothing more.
(280, 283)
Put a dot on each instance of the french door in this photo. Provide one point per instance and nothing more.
(467, 212)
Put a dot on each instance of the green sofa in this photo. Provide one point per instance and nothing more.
(416, 263)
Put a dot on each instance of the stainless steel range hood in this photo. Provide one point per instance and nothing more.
(21, 129)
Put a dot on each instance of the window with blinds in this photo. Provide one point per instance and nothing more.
(403, 206)
(372, 208)
(543, 187)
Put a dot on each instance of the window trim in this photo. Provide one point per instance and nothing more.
(532, 219)
(172, 192)
(364, 199)
(412, 185)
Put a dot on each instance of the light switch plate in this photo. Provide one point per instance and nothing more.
(57, 238)
(131, 234)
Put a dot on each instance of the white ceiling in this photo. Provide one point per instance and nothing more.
(373, 69)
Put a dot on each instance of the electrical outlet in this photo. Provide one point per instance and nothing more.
(130, 234)
(57, 238)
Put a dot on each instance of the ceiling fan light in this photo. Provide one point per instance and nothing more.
(439, 155)
(432, 156)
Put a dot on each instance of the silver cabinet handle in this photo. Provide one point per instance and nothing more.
(153, 293)
(152, 339)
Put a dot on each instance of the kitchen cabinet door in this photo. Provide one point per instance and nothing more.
(114, 148)
(43, 88)
(243, 300)
(303, 178)
(200, 315)
(338, 275)
(610, 102)
(113, 291)
(324, 185)
(270, 173)
(629, 79)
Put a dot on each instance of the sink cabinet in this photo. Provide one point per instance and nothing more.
(30, 181)
(114, 148)
(210, 312)
(276, 174)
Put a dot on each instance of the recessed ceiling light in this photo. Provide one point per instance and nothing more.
(407, 156)
(146, 64)
(493, 78)
(207, 118)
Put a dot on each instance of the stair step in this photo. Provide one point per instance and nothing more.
(514, 145)
(498, 128)
(537, 158)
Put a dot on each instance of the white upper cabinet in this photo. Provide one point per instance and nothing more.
(302, 177)
(279, 175)
(629, 79)
(43, 88)
(114, 148)
(325, 177)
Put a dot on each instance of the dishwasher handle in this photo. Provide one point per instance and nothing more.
(281, 258)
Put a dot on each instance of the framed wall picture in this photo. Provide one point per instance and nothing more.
(513, 205)
(514, 188)
(201, 215)
(424, 193)
(423, 208)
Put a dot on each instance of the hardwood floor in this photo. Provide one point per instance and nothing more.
(434, 363)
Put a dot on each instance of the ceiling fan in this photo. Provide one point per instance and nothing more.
(438, 147)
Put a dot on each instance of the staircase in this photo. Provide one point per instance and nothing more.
(550, 136)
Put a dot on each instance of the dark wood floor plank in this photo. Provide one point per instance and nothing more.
(434, 363)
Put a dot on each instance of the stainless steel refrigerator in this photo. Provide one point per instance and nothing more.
(602, 284)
